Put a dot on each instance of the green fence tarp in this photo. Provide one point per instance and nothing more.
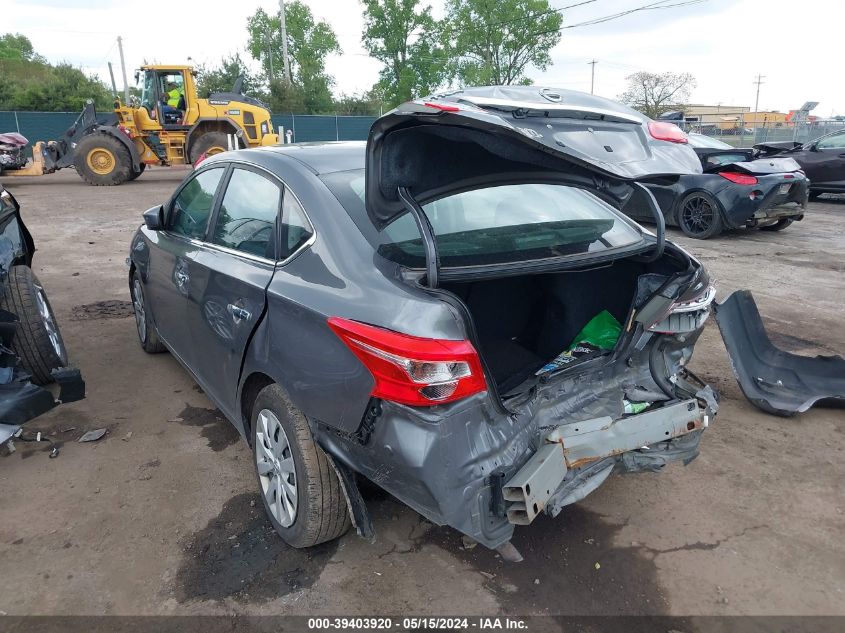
(45, 126)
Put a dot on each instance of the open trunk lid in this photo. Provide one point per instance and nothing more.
(481, 137)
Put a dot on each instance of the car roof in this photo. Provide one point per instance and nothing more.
(325, 157)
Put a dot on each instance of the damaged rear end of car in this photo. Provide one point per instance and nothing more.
(578, 325)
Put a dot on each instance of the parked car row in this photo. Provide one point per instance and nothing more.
(457, 310)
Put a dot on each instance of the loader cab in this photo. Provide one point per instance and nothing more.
(166, 96)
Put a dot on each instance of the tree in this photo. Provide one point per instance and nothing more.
(656, 93)
(366, 104)
(404, 38)
(494, 42)
(28, 82)
(309, 43)
(221, 78)
(17, 46)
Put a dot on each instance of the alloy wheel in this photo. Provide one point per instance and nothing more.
(138, 307)
(276, 468)
(50, 324)
(698, 215)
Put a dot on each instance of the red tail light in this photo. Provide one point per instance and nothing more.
(442, 106)
(740, 179)
(413, 370)
(663, 131)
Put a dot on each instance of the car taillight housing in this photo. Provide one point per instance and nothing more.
(412, 370)
(740, 179)
(663, 131)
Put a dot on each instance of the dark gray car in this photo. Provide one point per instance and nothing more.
(455, 311)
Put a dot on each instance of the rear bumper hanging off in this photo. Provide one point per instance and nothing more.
(773, 380)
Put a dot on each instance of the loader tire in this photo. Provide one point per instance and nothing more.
(38, 340)
(134, 174)
(210, 143)
(102, 160)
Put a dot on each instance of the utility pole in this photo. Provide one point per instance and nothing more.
(593, 75)
(759, 81)
(123, 70)
(285, 59)
(270, 52)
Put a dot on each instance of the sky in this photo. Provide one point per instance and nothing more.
(725, 44)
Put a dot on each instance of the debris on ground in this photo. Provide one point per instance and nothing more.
(93, 436)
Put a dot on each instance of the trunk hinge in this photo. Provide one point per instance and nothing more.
(659, 220)
(432, 260)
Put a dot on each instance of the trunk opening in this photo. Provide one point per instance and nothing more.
(524, 322)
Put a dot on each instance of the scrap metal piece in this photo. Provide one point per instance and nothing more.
(93, 436)
(774, 381)
(509, 553)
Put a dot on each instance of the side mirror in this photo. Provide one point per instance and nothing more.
(154, 218)
(814, 147)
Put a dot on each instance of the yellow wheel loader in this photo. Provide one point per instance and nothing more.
(168, 125)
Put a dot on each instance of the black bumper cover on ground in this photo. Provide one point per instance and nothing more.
(773, 380)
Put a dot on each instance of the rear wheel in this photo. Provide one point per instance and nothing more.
(299, 487)
(134, 174)
(210, 143)
(38, 340)
(780, 225)
(102, 160)
(699, 216)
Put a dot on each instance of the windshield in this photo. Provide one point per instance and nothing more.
(496, 225)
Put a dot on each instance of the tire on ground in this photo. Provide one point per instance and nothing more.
(206, 142)
(715, 225)
(780, 225)
(23, 295)
(322, 513)
(102, 160)
(134, 174)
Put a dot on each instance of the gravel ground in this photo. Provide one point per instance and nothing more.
(161, 515)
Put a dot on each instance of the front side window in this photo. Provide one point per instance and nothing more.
(499, 225)
(192, 206)
(246, 220)
(837, 141)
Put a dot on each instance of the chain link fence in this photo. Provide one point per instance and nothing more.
(740, 133)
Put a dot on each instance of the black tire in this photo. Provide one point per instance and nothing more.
(320, 513)
(134, 174)
(780, 225)
(38, 340)
(699, 216)
(147, 334)
(814, 195)
(209, 140)
(102, 160)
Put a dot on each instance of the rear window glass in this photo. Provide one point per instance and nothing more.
(495, 225)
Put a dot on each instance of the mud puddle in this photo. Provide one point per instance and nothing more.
(238, 555)
(214, 426)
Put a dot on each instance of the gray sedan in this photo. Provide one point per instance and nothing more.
(455, 311)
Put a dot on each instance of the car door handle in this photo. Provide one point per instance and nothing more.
(842, 155)
(238, 313)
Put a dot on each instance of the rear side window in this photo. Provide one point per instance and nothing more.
(192, 207)
(296, 229)
(497, 225)
(246, 220)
